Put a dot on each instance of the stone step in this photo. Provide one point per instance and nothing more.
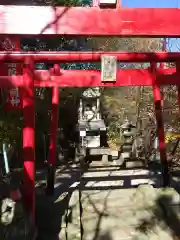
(93, 209)
(115, 222)
(127, 134)
(128, 223)
(117, 172)
(72, 212)
(125, 155)
(127, 148)
(124, 182)
(125, 217)
(70, 232)
(117, 197)
(113, 234)
(121, 198)
(134, 163)
(105, 159)
(106, 194)
(113, 208)
(103, 225)
(128, 140)
(119, 212)
(130, 233)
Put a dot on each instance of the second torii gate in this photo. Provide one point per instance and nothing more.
(95, 21)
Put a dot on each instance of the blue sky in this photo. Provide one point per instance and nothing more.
(151, 3)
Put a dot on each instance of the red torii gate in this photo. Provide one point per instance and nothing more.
(50, 21)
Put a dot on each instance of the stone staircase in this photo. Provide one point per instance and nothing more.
(104, 207)
(118, 215)
(111, 203)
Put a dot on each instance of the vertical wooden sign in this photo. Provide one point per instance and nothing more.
(13, 100)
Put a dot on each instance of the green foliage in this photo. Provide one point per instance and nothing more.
(81, 66)
(70, 2)
(11, 123)
(61, 2)
(113, 132)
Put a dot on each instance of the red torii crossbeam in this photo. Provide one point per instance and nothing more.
(79, 78)
(36, 20)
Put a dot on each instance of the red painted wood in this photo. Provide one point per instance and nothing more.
(65, 56)
(79, 78)
(160, 126)
(160, 22)
(163, 66)
(28, 137)
(54, 121)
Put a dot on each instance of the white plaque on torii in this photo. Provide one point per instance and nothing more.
(108, 68)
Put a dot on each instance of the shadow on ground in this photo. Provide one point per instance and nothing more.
(51, 210)
(168, 217)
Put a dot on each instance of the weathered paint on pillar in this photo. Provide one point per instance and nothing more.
(53, 136)
(28, 136)
(160, 127)
(163, 66)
